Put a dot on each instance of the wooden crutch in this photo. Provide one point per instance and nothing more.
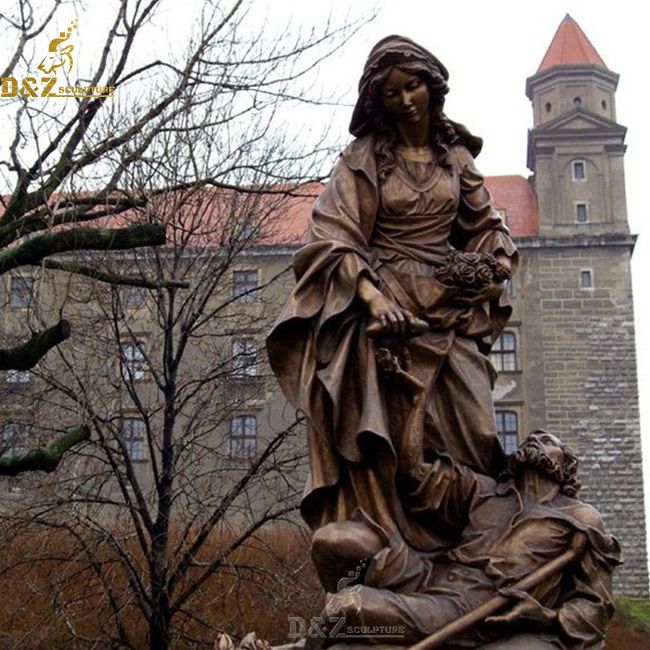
(435, 640)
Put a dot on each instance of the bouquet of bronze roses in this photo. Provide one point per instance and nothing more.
(471, 271)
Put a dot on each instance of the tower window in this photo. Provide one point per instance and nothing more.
(18, 376)
(579, 171)
(604, 105)
(581, 212)
(586, 279)
(577, 101)
(508, 430)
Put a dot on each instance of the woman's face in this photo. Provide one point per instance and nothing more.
(405, 97)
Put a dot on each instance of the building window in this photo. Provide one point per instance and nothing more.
(133, 297)
(133, 362)
(18, 376)
(581, 212)
(508, 430)
(504, 352)
(13, 440)
(133, 434)
(21, 292)
(579, 170)
(577, 101)
(243, 436)
(245, 284)
(586, 279)
(244, 358)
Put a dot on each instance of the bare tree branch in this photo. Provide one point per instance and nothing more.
(35, 250)
(112, 278)
(44, 459)
(27, 355)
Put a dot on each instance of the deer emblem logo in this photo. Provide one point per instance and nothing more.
(59, 55)
(347, 593)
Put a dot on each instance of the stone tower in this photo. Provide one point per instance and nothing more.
(576, 147)
(575, 288)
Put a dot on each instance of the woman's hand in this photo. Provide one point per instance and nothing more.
(393, 319)
(388, 318)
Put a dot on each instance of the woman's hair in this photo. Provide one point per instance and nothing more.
(443, 133)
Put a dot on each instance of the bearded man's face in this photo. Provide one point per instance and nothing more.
(542, 451)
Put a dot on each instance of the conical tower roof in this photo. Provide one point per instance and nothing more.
(570, 46)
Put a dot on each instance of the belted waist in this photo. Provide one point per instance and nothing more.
(407, 265)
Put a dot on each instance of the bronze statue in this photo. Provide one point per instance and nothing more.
(407, 260)
(512, 528)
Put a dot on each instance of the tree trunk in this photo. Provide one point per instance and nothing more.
(159, 624)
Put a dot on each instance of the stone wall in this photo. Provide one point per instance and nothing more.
(579, 379)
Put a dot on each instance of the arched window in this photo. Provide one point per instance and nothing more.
(504, 352)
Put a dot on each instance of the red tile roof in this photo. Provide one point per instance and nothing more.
(570, 46)
(213, 216)
(513, 194)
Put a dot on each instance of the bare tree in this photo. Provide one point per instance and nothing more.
(185, 465)
(74, 161)
(157, 507)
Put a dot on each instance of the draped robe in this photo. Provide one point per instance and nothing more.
(394, 235)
